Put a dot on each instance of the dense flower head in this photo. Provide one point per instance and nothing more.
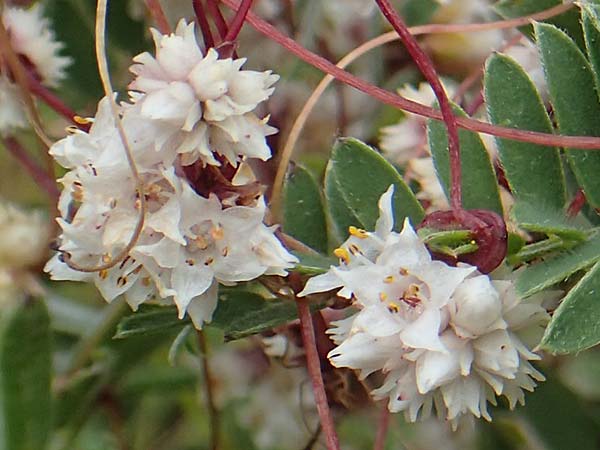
(168, 227)
(443, 336)
(201, 105)
(35, 43)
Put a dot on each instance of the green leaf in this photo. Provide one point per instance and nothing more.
(538, 277)
(479, 186)
(575, 101)
(534, 172)
(567, 21)
(538, 218)
(356, 177)
(590, 18)
(575, 324)
(239, 314)
(313, 264)
(303, 211)
(25, 373)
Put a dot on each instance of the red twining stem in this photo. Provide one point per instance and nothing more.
(203, 24)
(425, 65)
(397, 101)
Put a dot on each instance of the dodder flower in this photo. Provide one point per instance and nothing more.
(201, 104)
(34, 42)
(444, 336)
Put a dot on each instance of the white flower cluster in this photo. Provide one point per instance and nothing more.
(187, 109)
(33, 40)
(444, 336)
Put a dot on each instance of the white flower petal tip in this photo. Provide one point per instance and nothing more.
(200, 107)
(446, 338)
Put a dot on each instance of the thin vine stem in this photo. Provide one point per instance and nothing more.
(209, 384)
(397, 101)
(425, 65)
(316, 377)
(383, 424)
(100, 44)
(207, 36)
(221, 24)
(157, 13)
(39, 176)
(285, 155)
(235, 26)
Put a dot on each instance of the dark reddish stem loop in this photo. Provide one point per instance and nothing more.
(316, 377)
(426, 67)
(203, 24)
(489, 233)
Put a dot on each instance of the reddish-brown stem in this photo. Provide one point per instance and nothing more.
(50, 99)
(159, 16)
(397, 101)
(203, 24)
(316, 377)
(477, 102)
(425, 65)
(382, 428)
(238, 20)
(209, 385)
(39, 175)
(218, 18)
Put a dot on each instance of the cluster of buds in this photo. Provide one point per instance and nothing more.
(168, 209)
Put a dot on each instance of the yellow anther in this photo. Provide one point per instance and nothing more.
(389, 279)
(358, 232)
(106, 258)
(121, 281)
(413, 290)
(190, 262)
(71, 129)
(403, 271)
(201, 243)
(81, 120)
(217, 233)
(209, 261)
(343, 254)
(103, 274)
(146, 281)
(225, 251)
(383, 296)
(138, 269)
(393, 308)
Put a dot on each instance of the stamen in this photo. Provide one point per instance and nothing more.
(355, 249)
(103, 274)
(389, 279)
(190, 262)
(403, 271)
(81, 120)
(383, 296)
(146, 281)
(217, 233)
(209, 261)
(393, 308)
(225, 251)
(201, 243)
(358, 232)
(106, 258)
(343, 254)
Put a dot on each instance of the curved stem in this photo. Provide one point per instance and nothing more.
(159, 16)
(48, 97)
(314, 370)
(389, 98)
(425, 65)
